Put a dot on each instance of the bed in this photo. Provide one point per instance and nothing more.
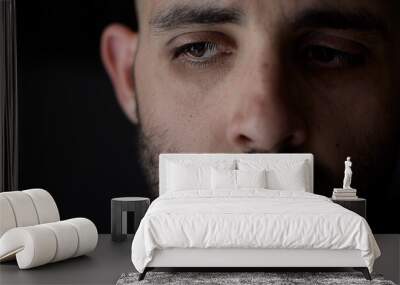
(247, 211)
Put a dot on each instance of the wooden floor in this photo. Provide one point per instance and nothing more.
(110, 260)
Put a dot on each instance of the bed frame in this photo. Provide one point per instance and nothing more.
(250, 258)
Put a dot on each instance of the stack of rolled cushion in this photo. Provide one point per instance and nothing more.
(31, 230)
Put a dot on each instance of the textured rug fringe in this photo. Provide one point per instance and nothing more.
(267, 278)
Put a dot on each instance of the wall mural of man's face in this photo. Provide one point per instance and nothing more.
(263, 76)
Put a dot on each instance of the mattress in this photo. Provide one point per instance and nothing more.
(250, 218)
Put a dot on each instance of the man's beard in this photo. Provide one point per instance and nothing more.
(148, 158)
(153, 142)
(370, 173)
(149, 148)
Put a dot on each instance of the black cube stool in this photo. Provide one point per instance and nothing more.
(119, 209)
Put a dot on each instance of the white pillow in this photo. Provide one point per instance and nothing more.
(236, 179)
(182, 177)
(281, 174)
(193, 174)
(251, 178)
(223, 179)
(289, 176)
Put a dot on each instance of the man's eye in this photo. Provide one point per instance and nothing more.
(198, 52)
(326, 57)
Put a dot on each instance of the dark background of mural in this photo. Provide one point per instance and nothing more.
(74, 140)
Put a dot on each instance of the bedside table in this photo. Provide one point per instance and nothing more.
(358, 205)
(119, 208)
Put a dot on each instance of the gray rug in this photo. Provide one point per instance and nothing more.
(273, 278)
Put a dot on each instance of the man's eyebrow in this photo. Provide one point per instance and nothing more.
(342, 20)
(183, 15)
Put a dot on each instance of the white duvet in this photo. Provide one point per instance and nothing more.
(252, 218)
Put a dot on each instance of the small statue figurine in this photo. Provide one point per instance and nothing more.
(347, 174)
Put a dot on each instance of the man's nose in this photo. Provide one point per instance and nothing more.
(265, 115)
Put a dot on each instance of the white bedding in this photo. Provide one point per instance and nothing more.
(251, 218)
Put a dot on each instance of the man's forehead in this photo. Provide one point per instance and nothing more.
(288, 8)
(156, 5)
(365, 15)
